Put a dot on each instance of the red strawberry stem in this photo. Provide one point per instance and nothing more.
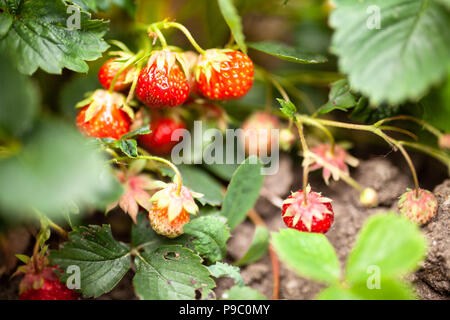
(169, 24)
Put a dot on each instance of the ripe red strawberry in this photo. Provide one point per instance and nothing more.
(109, 70)
(257, 133)
(315, 216)
(40, 282)
(162, 82)
(224, 74)
(418, 208)
(102, 117)
(159, 141)
(170, 211)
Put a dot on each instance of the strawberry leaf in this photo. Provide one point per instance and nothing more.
(210, 235)
(388, 289)
(220, 270)
(242, 293)
(40, 30)
(288, 108)
(398, 59)
(129, 147)
(340, 98)
(19, 100)
(258, 248)
(243, 191)
(105, 5)
(288, 53)
(388, 242)
(309, 254)
(144, 237)
(233, 20)
(200, 181)
(38, 175)
(137, 132)
(171, 273)
(102, 260)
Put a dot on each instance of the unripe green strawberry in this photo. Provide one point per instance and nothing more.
(369, 198)
(171, 209)
(420, 207)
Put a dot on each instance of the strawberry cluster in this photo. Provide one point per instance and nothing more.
(167, 80)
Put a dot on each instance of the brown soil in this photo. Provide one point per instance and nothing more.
(432, 280)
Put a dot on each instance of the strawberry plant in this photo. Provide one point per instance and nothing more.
(138, 139)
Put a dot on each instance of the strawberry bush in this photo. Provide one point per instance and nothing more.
(171, 114)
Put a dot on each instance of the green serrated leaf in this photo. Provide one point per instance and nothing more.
(399, 59)
(171, 273)
(389, 242)
(39, 37)
(199, 180)
(286, 52)
(128, 146)
(210, 236)
(137, 132)
(220, 270)
(242, 192)
(288, 108)
(309, 254)
(233, 20)
(242, 293)
(144, 237)
(102, 260)
(258, 248)
(340, 97)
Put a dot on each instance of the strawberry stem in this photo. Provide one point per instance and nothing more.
(161, 37)
(125, 66)
(305, 152)
(179, 26)
(179, 178)
(421, 122)
(376, 130)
